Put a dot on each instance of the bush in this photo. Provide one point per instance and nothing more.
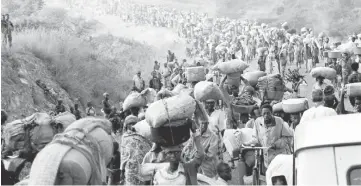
(84, 68)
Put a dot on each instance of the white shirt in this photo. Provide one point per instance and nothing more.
(317, 112)
(217, 121)
(221, 181)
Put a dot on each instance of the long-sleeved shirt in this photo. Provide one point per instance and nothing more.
(209, 141)
(278, 135)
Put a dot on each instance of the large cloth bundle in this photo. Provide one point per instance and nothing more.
(353, 89)
(295, 105)
(65, 118)
(234, 138)
(326, 72)
(143, 128)
(195, 74)
(174, 132)
(80, 155)
(173, 108)
(150, 96)
(271, 87)
(135, 99)
(41, 131)
(277, 107)
(232, 66)
(204, 91)
(178, 88)
(164, 93)
(281, 165)
(252, 77)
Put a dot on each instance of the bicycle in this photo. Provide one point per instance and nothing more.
(257, 171)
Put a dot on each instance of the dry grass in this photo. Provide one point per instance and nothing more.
(84, 68)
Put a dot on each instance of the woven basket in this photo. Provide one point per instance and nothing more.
(243, 109)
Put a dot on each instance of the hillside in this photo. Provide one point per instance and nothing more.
(53, 45)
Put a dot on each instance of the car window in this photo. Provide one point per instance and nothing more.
(354, 176)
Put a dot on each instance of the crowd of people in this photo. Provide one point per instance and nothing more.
(138, 161)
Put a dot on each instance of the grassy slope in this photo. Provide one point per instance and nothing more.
(55, 47)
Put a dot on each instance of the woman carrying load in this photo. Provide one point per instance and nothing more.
(133, 149)
(176, 170)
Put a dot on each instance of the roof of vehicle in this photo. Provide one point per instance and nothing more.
(329, 131)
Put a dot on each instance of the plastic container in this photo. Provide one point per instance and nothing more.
(353, 89)
(243, 109)
(302, 90)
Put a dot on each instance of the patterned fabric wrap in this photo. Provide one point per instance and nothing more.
(133, 149)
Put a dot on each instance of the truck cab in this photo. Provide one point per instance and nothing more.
(327, 151)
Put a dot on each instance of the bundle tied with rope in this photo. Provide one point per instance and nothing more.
(170, 119)
(41, 127)
(78, 156)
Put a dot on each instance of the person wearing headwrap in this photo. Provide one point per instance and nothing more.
(319, 110)
(178, 169)
(330, 98)
(133, 149)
